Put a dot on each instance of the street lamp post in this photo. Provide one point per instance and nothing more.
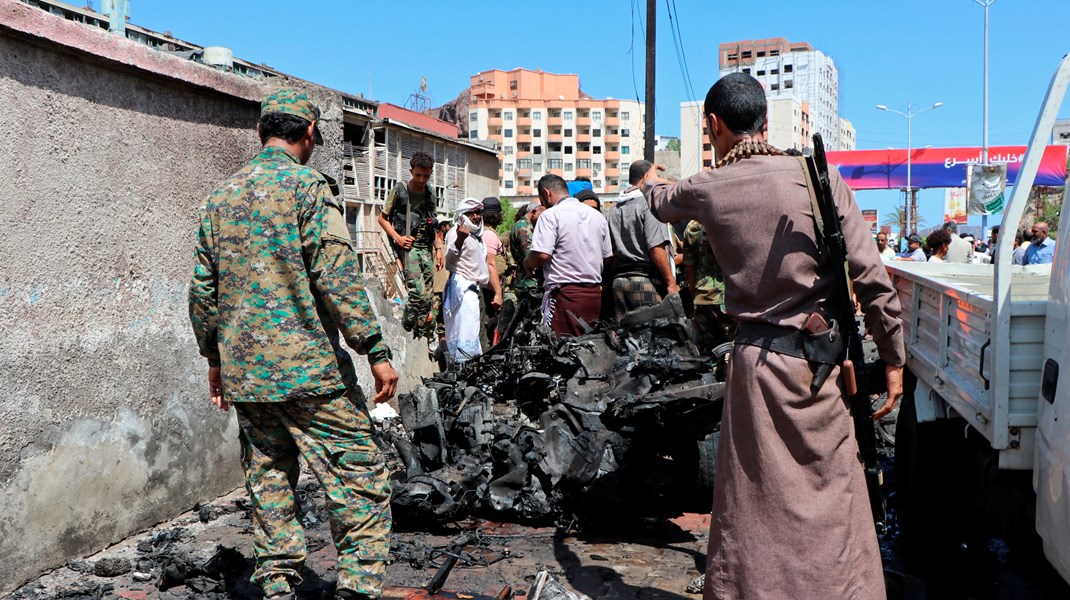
(984, 133)
(909, 114)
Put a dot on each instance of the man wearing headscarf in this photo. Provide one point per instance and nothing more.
(466, 260)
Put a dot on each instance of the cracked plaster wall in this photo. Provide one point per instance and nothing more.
(105, 428)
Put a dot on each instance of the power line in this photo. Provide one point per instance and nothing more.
(681, 56)
(631, 48)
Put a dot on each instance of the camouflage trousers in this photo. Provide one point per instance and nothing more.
(334, 437)
(711, 327)
(421, 310)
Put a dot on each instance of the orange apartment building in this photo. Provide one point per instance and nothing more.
(543, 123)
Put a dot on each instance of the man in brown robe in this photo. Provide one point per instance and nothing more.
(791, 517)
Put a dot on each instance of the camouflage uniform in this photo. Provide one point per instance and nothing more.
(517, 244)
(712, 327)
(421, 311)
(273, 284)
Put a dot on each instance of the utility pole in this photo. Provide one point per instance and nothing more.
(651, 39)
(984, 134)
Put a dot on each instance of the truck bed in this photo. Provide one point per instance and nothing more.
(948, 324)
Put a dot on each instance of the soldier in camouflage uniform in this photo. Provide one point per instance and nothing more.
(274, 282)
(712, 327)
(520, 282)
(408, 217)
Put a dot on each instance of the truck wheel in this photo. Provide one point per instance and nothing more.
(707, 468)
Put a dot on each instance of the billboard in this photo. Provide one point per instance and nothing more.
(939, 167)
(955, 205)
(869, 215)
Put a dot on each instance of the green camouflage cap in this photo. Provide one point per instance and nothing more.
(292, 102)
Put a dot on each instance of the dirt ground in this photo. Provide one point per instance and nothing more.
(207, 553)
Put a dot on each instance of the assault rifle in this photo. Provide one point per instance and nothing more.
(861, 379)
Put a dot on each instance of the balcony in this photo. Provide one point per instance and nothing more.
(612, 155)
(583, 121)
(523, 121)
(525, 190)
(612, 121)
(584, 172)
(581, 154)
(612, 172)
(494, 122)
(555, 122)
(484, 90)
(612, 138)
(523, 138)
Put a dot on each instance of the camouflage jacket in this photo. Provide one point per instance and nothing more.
(709, 282)
(519, 245)
(274, 281)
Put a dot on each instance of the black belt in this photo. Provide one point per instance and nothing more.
(822, 348)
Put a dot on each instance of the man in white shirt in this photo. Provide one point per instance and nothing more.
(571, 244)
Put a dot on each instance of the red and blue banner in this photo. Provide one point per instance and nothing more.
(939, 167)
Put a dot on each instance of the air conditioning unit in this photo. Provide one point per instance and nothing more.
(514, 94)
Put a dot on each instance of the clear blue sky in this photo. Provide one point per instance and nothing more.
(924, 51)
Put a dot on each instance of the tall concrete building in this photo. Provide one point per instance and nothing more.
(791, 70)
(847, 140)
(543, 123)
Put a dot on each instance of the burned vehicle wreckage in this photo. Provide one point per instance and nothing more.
(541, 428)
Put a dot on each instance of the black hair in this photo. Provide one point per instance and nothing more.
(938, 238)
(282, 125)
(552, 182)
(951, 227)
(638, 170)
(738, 100)
(422, 160)
(583, 178)
(492, 218)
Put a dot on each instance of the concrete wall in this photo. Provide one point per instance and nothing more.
(109, 148)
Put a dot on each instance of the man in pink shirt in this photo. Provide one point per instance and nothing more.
(571, 244)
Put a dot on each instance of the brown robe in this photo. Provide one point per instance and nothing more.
(791, 514)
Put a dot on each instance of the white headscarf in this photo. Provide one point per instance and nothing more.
(463, 208)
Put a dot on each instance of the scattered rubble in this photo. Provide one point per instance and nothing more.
(542, 428)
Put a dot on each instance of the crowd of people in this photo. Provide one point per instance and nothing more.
(946, 245)
(273, 293)
(590, 265)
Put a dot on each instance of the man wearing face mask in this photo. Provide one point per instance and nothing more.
(466, 260)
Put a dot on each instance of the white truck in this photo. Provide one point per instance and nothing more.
(984, 426)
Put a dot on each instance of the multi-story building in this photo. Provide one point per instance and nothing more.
(791, 70)
(788, 123)
(543, 123)
(847, 136)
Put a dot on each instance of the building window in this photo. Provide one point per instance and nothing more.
(596, 132)
(474, 134)
(473, 116)
(508, 167)
(597, 183)
(774, 71)
(789, 83)
(787, 68)
(568, 166)
(537, 150)
(746, 70)
(774, 87)
(625, 133)
(625, 149)
(745, 54)
(537, 166)
(523, 163)
(761, 72)
(508, 133)
(774, 52)
(508, 115)
(536, 115)
(625, 115)
(512, 84)
(596, 150)
(596, 116)
(568, 149)
(536, 132)
(568, 133)
(583, 163)
(554, 163)
(508, 184)
(568, 115)
(508, 150)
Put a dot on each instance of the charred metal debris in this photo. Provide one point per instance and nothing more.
(539, 428)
